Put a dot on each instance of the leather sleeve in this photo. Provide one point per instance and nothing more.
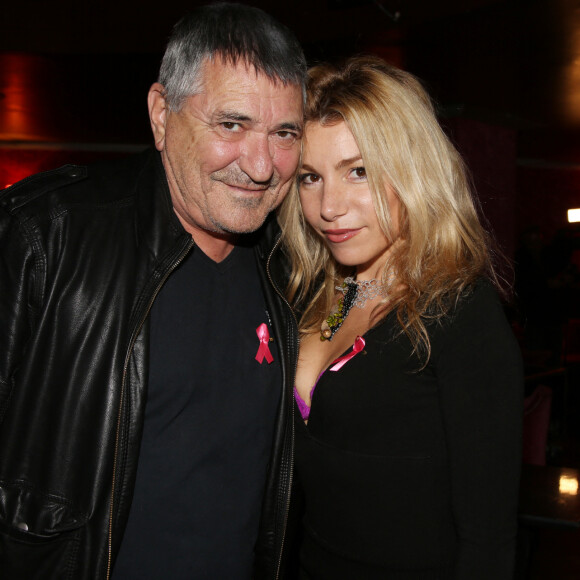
(21, 271)
(23, 264)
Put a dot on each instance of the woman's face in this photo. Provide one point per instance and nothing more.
(336, 199)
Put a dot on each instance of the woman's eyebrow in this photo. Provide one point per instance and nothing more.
(349, 161)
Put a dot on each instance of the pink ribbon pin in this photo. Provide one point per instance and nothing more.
(264, 349)
(357, 347)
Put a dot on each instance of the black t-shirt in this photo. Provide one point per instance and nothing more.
(208, 428)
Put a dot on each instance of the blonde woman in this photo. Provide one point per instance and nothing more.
(409, 381)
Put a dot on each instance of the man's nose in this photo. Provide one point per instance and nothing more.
(257, 158)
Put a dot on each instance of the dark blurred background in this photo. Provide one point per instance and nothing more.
(505, 76)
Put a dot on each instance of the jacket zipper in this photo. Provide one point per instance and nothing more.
(120, 414)
(291, 469)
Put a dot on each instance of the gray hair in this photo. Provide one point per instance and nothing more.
(234, 32)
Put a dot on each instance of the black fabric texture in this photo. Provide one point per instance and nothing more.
(411, 473)
(208, 427)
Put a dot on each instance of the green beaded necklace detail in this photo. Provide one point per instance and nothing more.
(349, 288)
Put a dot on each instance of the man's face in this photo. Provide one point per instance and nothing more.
(230, 153)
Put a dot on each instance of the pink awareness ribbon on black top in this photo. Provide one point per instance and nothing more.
(358, 346)
(263, 349)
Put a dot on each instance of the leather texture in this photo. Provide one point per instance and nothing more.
(84, 251)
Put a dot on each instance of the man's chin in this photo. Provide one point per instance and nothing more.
(243, 229)
(241, 222)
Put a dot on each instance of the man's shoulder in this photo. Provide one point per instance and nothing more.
(104, 182)
(36, 186)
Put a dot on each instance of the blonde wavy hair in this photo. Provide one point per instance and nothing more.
(441, 249)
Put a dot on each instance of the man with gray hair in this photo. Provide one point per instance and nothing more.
(147, 356)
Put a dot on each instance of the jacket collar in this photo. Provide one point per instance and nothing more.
(157, 225)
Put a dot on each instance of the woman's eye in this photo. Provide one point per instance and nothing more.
(359, 172)
(308, 178)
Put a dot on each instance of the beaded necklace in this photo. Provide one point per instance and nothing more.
(353, 294)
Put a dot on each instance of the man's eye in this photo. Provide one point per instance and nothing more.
(231, 126)
(286, 138)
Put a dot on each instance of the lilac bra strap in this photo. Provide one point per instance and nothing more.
(302, 406)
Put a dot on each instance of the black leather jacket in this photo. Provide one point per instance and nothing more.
(84, 252)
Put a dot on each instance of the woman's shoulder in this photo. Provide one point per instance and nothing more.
(479, 300)
(477, 315)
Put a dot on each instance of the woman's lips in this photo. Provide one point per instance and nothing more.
(338, 236)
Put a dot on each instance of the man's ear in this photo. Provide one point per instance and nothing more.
(157, 113)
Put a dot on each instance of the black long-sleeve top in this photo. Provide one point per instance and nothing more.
(413, 474)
